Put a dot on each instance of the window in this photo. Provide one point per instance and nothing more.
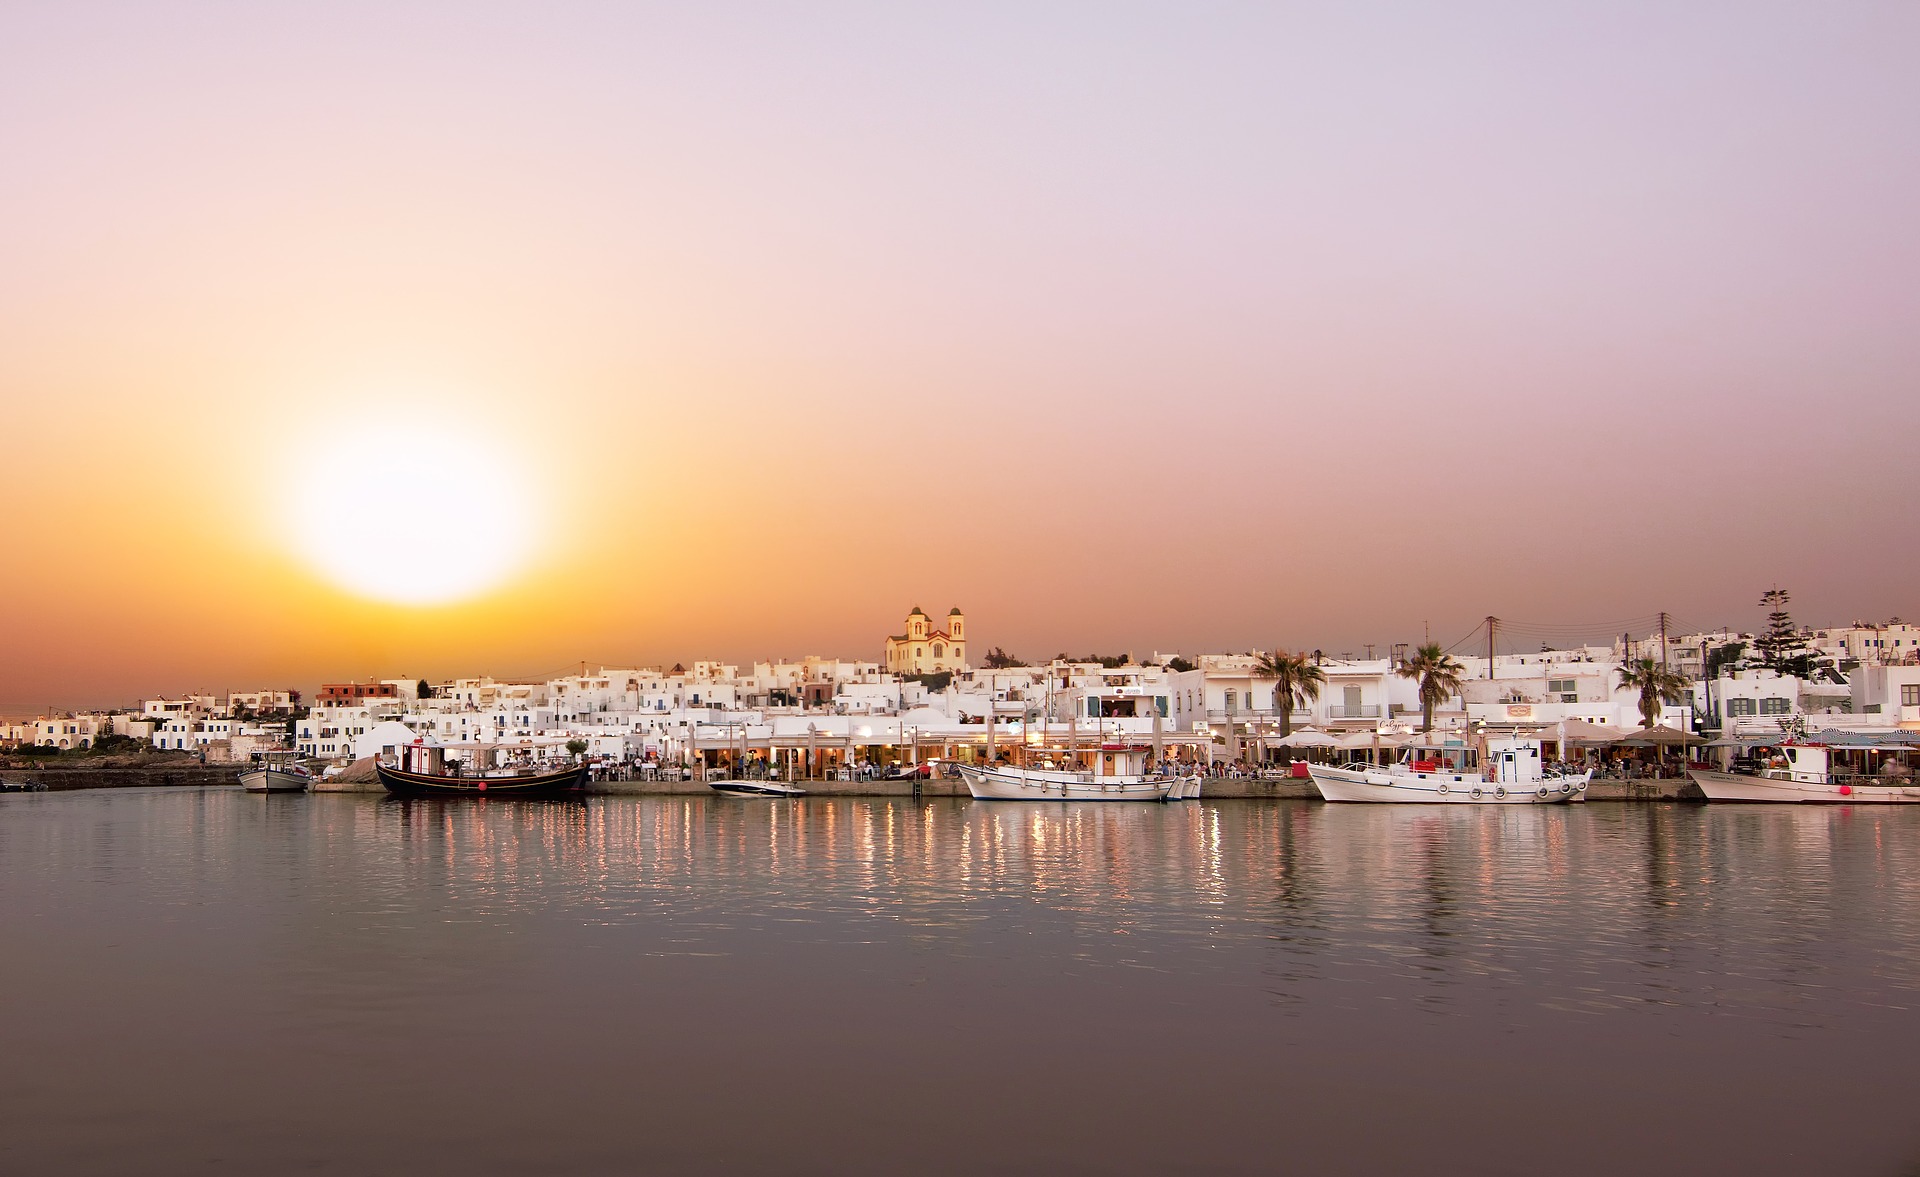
(1561, 686)
(1776, 706)
(1740, 707)
(1910, 695)
(1231, 699)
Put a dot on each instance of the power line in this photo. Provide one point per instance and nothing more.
(1649, 620)
(1471, 634)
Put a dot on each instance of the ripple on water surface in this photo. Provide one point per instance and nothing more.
(685, 984)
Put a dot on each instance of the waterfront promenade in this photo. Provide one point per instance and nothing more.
(1222, 788)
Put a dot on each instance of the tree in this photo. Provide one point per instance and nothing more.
(1179, 665)
(576, 748)
(1780, 647)
(1296, 683)
(424, 689)
(1657, 685)
(1722, 657)
(1438, 675)
(998, 659)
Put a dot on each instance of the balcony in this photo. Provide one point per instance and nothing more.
(1263, 715)
(1362, 711)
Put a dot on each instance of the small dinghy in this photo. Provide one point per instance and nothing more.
(753, 788)
(277, 773)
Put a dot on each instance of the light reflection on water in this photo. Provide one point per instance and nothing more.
(1662, 956)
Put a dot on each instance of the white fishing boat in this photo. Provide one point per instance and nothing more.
(278, 773)
(1106, 772)
(1796, 771)
(1509, 773)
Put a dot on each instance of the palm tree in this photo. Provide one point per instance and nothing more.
(1439, 677)
(1297, 682)
(1656, 684)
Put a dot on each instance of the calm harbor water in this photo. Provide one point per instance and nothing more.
(208, 981)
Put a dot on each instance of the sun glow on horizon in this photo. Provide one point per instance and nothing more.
(411, 511)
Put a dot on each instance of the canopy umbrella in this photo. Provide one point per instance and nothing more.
(1581, 731)
(1307, 737)
(1365, 739)
(1659, 737)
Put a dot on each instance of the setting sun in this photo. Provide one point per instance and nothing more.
(411, 511)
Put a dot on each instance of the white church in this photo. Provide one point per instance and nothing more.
(926, 650)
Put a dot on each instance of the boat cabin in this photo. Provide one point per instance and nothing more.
(1122, 760)
(1514, 761)
(1098, 762)
(1511, 760)
(1798, 762)
(1453, 759)
(424, 759)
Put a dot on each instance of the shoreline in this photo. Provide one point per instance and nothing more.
(1215, 788)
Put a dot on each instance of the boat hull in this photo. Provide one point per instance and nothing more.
(1442, 788)
(1733, 786)
(1015, 784)
(274, 780)
(755, 789)
(566, 783)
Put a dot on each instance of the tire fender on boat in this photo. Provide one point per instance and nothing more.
(1476, 793)
(1543, 792)
(1442, 790)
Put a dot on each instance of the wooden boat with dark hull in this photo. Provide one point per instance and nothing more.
(566, 783)
(434, 781)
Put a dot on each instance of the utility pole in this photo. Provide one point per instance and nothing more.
(1663, 639)
(1493, 624)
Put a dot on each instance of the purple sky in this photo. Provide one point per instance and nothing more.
(1122, 325)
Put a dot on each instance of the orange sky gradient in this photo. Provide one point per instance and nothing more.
(1122, 327)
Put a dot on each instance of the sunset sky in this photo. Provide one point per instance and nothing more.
(350, 339)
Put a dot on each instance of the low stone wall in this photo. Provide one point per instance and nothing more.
(1221, 788)
(65, 778)
(1658, 789)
